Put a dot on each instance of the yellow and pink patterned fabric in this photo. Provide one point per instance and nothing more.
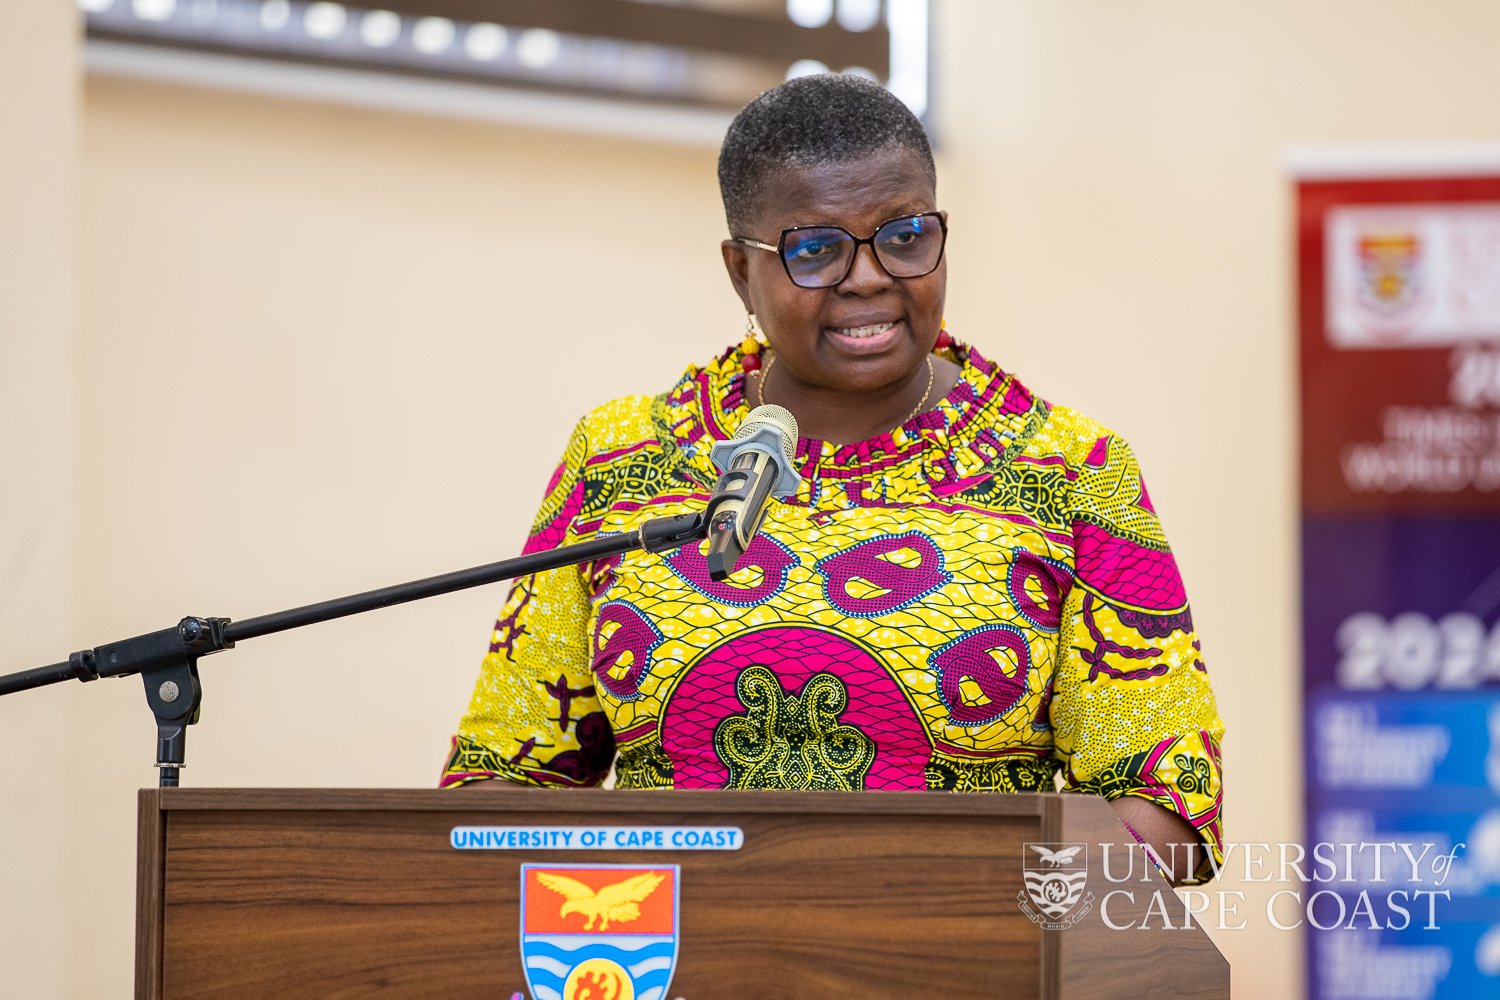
(979, 600)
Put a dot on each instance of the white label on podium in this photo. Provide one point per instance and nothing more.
(597, 838)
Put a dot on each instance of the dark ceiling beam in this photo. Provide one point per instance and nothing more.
(672, 25)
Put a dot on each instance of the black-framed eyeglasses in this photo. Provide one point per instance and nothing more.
(822, 256)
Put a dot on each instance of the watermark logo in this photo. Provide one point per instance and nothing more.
(1056, 876)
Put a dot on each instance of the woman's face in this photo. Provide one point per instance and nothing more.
(871, 331)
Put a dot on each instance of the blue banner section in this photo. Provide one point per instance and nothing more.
(1404, 844)
(1427, 751)
(1409, 964)
(1401, 617)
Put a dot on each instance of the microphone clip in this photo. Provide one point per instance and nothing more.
(663, 534)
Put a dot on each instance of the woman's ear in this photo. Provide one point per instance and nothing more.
(737, 263)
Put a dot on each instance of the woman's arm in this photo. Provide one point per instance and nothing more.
(1133, 713)
(535, 716)
(1166, 833)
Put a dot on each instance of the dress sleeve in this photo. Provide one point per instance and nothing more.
(1132, 709)
(535, 717)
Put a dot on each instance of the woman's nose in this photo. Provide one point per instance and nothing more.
(866, 277)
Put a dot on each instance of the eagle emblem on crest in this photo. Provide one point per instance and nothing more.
(613, 902)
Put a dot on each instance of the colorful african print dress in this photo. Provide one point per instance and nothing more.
(977, 601)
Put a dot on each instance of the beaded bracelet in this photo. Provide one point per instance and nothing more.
(1148, 851)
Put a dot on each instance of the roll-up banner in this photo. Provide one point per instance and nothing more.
(1399, 325)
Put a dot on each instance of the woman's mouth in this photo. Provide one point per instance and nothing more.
(869, 339)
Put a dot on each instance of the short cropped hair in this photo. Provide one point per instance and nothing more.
(826, 118)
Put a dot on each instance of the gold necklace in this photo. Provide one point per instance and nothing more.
(760, 387)
(918, 408)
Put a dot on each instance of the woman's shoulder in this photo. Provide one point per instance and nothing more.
(1077, 439)
(991, 404)
(1098, 479)
(617, 423)
(631, 420)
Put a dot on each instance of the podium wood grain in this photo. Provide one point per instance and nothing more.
(353, 893)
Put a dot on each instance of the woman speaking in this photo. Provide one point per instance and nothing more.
(969, 592)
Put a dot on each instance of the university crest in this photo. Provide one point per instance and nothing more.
(601, 932)
(1389, 271)
(1056, 875)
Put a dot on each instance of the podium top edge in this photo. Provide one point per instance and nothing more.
(517, 798)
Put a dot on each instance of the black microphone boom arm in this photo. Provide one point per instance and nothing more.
(168, 660)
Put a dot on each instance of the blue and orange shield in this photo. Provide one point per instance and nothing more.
(601, 932)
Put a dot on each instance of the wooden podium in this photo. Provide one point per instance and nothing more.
(333, 893)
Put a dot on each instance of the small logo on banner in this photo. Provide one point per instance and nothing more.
(1389, 270)
(601, 932)
(1056, 876)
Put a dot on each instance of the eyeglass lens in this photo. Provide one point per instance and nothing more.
(823, 257)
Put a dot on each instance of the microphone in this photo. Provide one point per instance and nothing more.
(756, 464)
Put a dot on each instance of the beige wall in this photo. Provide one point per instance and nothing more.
(38, 140)
(316, 354)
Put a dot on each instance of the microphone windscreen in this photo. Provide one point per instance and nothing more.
(775, 416)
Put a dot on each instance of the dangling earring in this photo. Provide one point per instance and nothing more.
(944, 338)
(750, 348)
